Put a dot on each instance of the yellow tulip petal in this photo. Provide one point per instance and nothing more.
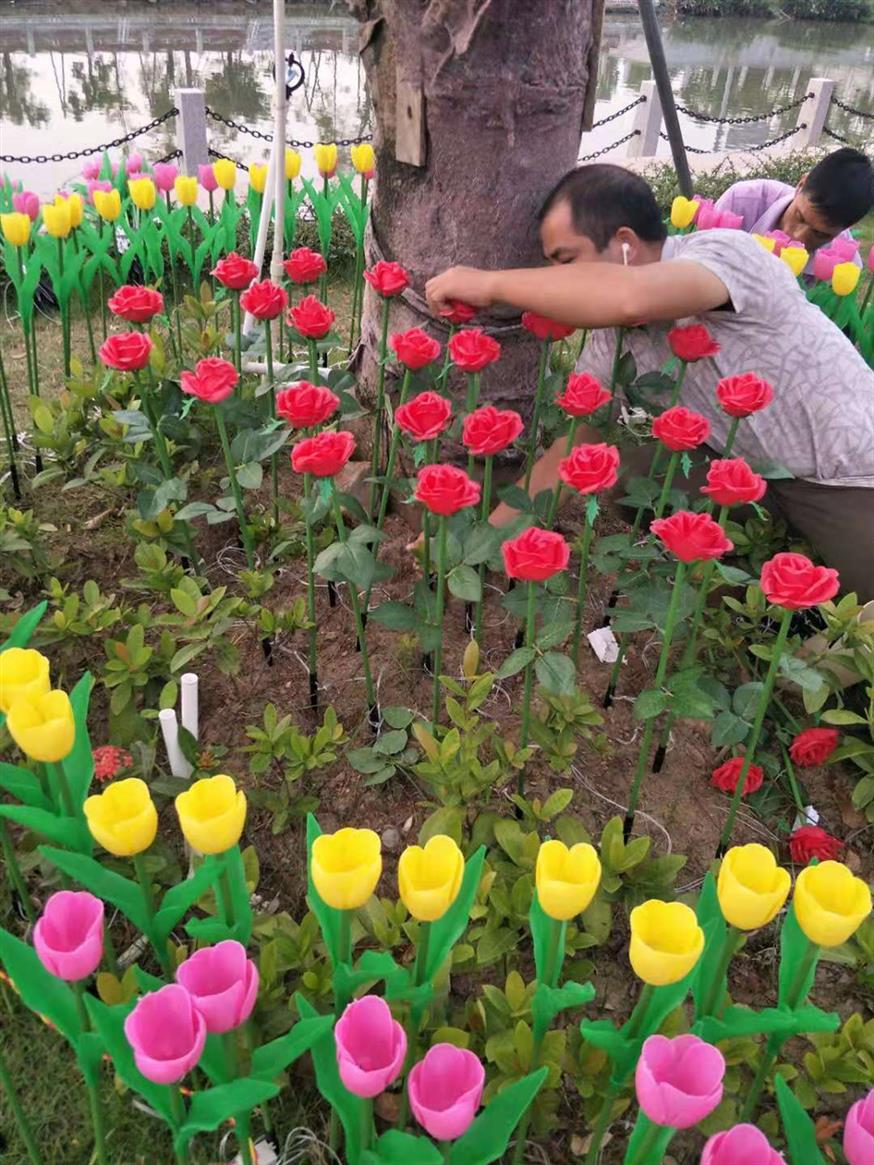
(43, 726)
(567, 879)
(346, 867)
(830, 903)
(23, 672)
(212, 814)
(751, 887)
(429, 879)
(666, 941)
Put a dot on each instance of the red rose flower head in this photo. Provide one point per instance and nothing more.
(792, 581)
(472, 350)
(137, 305)
(265, 300)
(235, 272)
(213, 380)
(535, 555)
(444, 489)
(740, 396)
(387, 279)
(583, 395)
(691, 537)
(488, 430)
(692, 342)
(681, 428)
(424, 417)
(810, 841)
(727, 775)
(813, 746)
(312, 319)
(304, 265)
(544, 328)
(590, 469)
(126, 352)
(306, 405)
(731, 482)
(458, 312)
(414, 348)
(323, 455)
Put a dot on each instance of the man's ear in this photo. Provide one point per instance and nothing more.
(627, 244)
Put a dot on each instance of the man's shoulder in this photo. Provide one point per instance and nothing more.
(718, 242)
(766, 190)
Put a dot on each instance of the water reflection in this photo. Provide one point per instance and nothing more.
(89, 73)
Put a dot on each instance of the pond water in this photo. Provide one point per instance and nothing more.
(80, 73)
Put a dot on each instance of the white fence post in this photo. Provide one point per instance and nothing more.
(648, 120)
(812, 114)
(191, 129)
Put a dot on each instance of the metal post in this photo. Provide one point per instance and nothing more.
(191, 129)
(666, 94)
(812, 114)
(648, 121)
(281, 185)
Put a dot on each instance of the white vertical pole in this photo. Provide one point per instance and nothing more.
(281, 188)
(812, 114)
(191, 129)
(648, 120)
(179, 766)
(188, 689)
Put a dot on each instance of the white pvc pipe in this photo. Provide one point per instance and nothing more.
(179, 766)
(188, 688)
(279, 120)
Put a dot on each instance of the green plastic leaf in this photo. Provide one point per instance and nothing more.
(212, 1107)
(551, 1001)
(106, 884)
(271, 1059)
(712, 922)
(464, 583)
(488, 1137)
(446, 931)
(67, 831)
(642, 1129)
(25, 626)
(798, 1127)
(397, 1148)
(109, 1022)
(794, 947)
(24, 785)
(41, 991)
(350, 1109)
(182, 896)
(515, 662)
(79, 765)
(328, 918)
(556, 673)
(240, 897)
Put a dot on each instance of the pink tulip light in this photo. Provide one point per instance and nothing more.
(68, 937)
(678, 1081)
(859, 1131)
(167, 1034)
(845, 249)
(26, 202)
(371, 1046)
(709, 218)
(446, 1089)
(133, 163)
(781, 240)
(164, 175)
(206, 178)
(742, 1145)
(97, 184)
(824, 262)
(223, 984)
(91, 168)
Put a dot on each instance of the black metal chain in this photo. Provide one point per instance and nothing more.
(620, 112)
(606, 149)
(688, 149)
(171, 157)
(744, 149)
(225, 158)
(698, 116)
(268, 137)
(852, 109)
(838, 137)
(26, 159)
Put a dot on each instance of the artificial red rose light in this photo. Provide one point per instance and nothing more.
(213, 380)
(304, 266)
(813, 746)
(235, 272)
(590, 469)
(535, 555)
(743, 395)
(680, 428)
(265, 300)
(414, 348)
(306, 405)
(583, 395)
(109, 761)
(424, 417)
(323, 455)
(691, 537)
(311, 318)
(794, 582)
(731, 482)
(692, 342)
(444, 489)
(137, 305)
(458, 312)
(488, 430)
(811, 841)
(126, 352)
(727, 775)
(472, 350)
(387, 279)
(544, 328)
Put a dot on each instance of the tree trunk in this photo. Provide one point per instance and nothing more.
(503, 86)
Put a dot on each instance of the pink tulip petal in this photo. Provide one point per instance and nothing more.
(68, 938)
(679, 1081)
(742, 1145)
(223, 984)
(167, 1034)
(445, 1090)
(859, 1131)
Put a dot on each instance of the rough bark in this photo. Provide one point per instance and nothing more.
(504, 85)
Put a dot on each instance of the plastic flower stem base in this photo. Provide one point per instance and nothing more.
(535, 416)
(446, 1150)
(444, 371)
(651, 1147)
(63, 787)
(139, 864)
(13, 871)
(559, 485)
(667, 483)
(235, 489)
(311, 598)
(64, 304)
(21, 1122)
(355, 603)
(238, 330)
(530, 631)
(242, 1120)
(582, 588)
(177, 1106)
(484, 517)
(376, 458)
(712, 1004)
(93, 1087)
(414, 1019)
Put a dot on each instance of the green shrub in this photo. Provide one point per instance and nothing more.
(788, 168)
(827, 9)
(724, 7)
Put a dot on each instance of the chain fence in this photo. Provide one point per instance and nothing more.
(224, 158)
(867, 114)
(641, 100)
(746, 149)
(635, 133)
(73, 155)
(745, 120)
(239, 127)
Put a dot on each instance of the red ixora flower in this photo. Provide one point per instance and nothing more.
(304, 265)
(312, 318)
(743, 395)
(126, 351)
(811, 841)
(794, 582)
(488, 430)
(265, 300)
(323, 455)
(692, 342)
(136, 304)
(590, 469)
(731, 482)
(213, 380)
(444, 489)
(544, 328)
(235, 272)
(680, 428)
(414, 348)
(583, 395)
(306, 405)
(535, 555)
(691, 537)
(458, 312)
(109, 761)
(813, 746)
(727, 775)
(472, 350)
(424, 417)
(387, 279)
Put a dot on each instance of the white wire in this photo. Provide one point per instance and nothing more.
(624, 808)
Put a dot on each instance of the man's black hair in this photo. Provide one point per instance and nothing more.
(841, 187)
(604, 198)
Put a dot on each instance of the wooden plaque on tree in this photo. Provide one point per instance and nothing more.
(410, 124)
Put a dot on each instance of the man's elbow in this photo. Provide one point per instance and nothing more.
(632, 309)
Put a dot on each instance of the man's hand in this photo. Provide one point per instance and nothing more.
(469, 284)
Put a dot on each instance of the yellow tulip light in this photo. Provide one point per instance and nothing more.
(326, 158)
(830, 903)
(845, 278)
(567, 879)
(23, 672)
(751, 887)
(186, 190)
(73, 202)
(666, 942)
(683, 211)
(764, 241)
(429, 879)
(57, 219)
(42, 725)
(292, 164)
(15, 227)
(363, 158)
(123, 818)
(346, 867)
(143, 193)
(107, 203)
(225, 173)
(212, 814)
(257, 177)
(795, 258)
